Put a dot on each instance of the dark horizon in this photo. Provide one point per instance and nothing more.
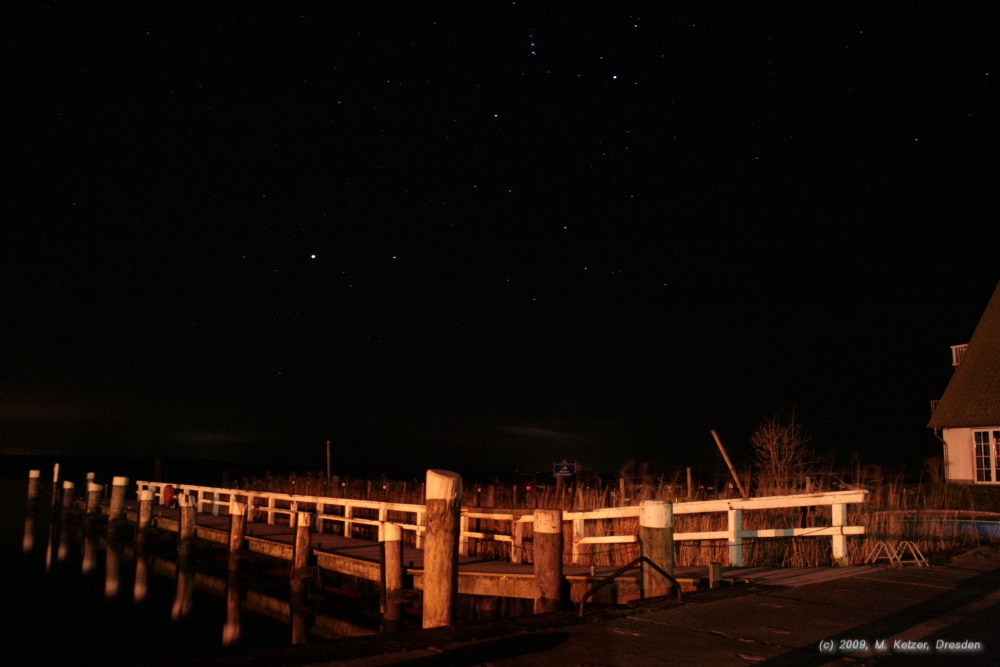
(490, 237)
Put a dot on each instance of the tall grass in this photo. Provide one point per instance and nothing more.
(925, 513)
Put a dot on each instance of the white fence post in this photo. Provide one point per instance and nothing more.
(463, 538)
(579, 532)
(383, 516)
(839, 540)
(736, 537)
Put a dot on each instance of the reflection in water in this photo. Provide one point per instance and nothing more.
(184, 600)
(300, 624)
(111, 566)
(141, 586)
(251, 606)
(48, 545)
(89, 552)
(231, 630)
(63, 543)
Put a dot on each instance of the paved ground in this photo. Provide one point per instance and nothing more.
(783, 618)
(775, 624)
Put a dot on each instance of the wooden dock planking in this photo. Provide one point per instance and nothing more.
(362, 559)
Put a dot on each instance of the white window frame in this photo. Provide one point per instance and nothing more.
(988, 439)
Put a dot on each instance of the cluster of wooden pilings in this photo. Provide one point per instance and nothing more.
(441, 544)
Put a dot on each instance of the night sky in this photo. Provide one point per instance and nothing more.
(487, 236)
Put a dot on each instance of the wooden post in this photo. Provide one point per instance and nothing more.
(444, 509)
(690, 484)
(188, 522)
(735, 538)
(300, 562)
(67, 500)
(548, 553)
(55, 482)
(732, 470)
(145, 510)
(237, 533)
(517, 544)
(34, 479)
(839, 519)
(579, 532)
(392, 574)
(656, 528)
(463, 540)
(94, 498)
(116, 510)
(714, 575)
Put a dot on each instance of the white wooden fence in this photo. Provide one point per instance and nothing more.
(410, 517)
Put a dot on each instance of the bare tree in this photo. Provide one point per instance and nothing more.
(781, 454)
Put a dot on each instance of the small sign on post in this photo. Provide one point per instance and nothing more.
(564, 469)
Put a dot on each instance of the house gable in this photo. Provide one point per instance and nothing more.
(972, 397)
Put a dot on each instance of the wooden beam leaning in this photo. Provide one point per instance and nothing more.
(444, 508)
(548, 560)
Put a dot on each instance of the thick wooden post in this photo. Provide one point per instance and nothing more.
(237, 533)
(116, 510)
(690, 488)
(145, 510)
(839, 516)
(392, 574)
(300, 562)
(656, 528)
(444, 509)
(714, 575)
(34, 481)
(735, 538)
(67, 499)
(548, 553)
(188, 522)
(55, 484)
(94, 498)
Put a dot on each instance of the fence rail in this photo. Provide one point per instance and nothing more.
(348, 513)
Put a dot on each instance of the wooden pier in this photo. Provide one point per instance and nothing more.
(365, 539)
(363, 558)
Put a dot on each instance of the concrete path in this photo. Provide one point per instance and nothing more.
(788, 622)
